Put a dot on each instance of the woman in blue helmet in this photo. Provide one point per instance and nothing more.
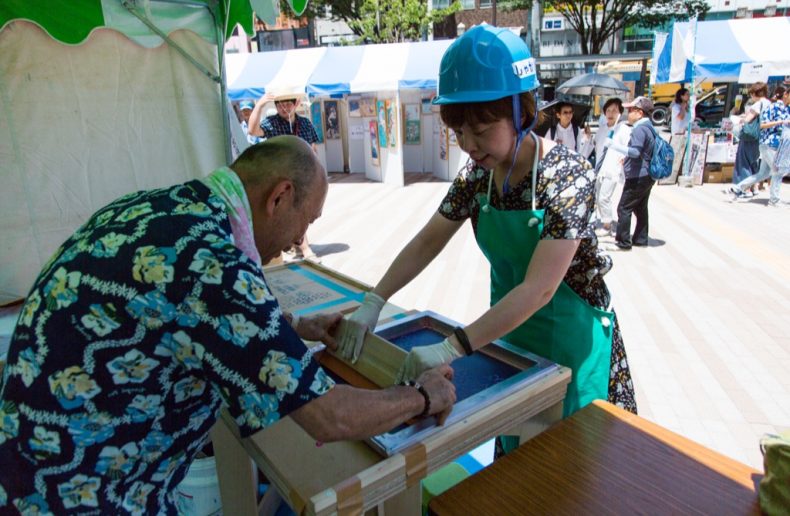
(530, 202)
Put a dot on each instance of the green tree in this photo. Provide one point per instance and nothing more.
(598, 20)
(383, 21)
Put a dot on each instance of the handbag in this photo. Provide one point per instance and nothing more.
(751, 130)
(775, 485)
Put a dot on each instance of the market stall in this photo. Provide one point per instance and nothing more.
(742, 51)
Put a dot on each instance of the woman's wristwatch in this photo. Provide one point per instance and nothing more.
(427, 409)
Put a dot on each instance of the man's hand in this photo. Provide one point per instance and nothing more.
(441, 391)
(587, 130)
(423, 358)
(608, 143)
(320, 328)
(352, 331)
(267, 97)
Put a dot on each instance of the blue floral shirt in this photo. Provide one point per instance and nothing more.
(774, 113)
(141, 325)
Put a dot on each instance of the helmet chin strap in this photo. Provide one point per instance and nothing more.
(520, 134)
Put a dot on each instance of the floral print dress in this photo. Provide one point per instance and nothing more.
(141, 325)
(566, 191)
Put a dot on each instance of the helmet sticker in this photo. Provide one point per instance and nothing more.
(524, 68)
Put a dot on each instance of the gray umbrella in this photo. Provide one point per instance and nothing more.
(592, 84)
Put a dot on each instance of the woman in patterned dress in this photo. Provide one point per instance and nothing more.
(530, 202)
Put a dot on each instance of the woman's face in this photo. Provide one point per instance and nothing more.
(685, 97)
(488, 144)
(612, 114)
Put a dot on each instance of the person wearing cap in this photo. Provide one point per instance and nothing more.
(636, 169)
(246, 107)
(285, 121)
(530, 202)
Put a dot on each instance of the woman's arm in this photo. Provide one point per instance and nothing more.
(417, 254)
(546, 270)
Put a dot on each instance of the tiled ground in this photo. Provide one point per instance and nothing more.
(705, 310)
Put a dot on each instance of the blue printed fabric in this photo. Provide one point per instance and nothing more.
(275, 125)
(773, 113)
(141, 325)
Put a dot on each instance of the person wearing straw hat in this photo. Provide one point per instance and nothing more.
(285, 121)
(530, 202)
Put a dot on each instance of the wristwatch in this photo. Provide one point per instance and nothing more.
(421, 390)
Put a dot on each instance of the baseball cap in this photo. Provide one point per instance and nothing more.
(643, 103)
(246, 104)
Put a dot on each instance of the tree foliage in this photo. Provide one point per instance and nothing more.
(596, 21)
(383, 21)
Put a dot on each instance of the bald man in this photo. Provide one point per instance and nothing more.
(155, 313)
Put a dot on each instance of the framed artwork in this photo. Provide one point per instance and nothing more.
(381, 116)
(442, 141)
(331, 120)
(315, 117)
(699, 148)
(374, 142)
(354, 107)
(451, 138)
(426, 106)
(367, 106)
(392, 122)
(411, 124)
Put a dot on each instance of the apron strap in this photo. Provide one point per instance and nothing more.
(534, 178)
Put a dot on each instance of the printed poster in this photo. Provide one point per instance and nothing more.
(374, 142)
(411, 124)
(381, 110)
(315, 117)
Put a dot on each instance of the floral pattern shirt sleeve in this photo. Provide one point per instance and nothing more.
(137, 330)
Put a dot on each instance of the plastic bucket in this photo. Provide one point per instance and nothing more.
(198, 493)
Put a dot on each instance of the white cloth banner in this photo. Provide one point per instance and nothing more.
(83, 125)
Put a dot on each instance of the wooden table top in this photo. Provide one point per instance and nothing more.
(604, 460)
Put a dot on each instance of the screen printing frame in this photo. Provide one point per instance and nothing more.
(533, 367)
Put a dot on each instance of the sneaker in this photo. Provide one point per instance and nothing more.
(736, 193)
(773, 204)
(603, 232)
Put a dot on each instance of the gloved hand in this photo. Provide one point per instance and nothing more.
(422, 358)
(353, 329)
(608, 143)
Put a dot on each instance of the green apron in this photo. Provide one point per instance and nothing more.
(567, 330)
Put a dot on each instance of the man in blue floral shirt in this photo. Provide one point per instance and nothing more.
(154, 314)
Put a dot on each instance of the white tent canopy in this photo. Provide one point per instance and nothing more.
(723, 49)
(286, 71)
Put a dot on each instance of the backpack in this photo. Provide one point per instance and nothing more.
(663, 157)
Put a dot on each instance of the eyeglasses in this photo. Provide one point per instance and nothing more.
(563, 113)
(278, 102)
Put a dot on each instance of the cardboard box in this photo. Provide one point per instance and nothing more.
(726, 172)
(714, 177)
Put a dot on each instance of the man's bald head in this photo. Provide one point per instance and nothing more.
(286, 157)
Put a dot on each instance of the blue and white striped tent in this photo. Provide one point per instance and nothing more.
(722, 48)
(337, 70)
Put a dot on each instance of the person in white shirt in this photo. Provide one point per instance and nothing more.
(567, 133)
(679, 119)
(609, 179)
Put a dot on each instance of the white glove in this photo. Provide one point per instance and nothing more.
(423, 358)
(352, 332)
(608, 143)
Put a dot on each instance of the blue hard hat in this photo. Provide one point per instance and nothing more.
(486, 63)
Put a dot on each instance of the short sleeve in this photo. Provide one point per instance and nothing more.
(310, 135)
(568, 195)
(261, 367)
(266, 128)
(460, 200)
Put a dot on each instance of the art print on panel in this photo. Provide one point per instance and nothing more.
(315, 117)
(331, 120)
(411, 124)
(374, 142)
(442, 141)
(392, 123)
(367, 106)
(381, 111)
(354, 107)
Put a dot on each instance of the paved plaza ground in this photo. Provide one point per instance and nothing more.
(705, 310)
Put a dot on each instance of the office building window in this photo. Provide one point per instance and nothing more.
(485, 3)
(467, 4)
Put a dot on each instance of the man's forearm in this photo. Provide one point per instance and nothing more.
(348, 413)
